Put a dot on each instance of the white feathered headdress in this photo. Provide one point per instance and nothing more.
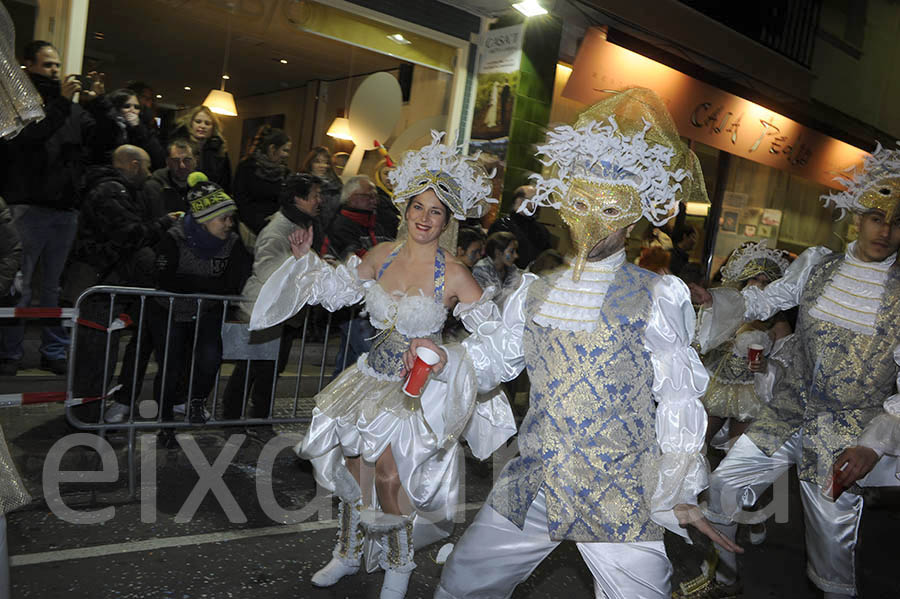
(751, 259)
(599, 153)
(459, 182)
(875, 186)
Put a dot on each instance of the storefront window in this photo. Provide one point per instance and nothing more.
(761, 202)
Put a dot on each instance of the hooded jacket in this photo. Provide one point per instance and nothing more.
(114, 223)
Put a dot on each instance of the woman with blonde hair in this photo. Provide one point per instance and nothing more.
(201, 128)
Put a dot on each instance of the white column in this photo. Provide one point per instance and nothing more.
(63, 23)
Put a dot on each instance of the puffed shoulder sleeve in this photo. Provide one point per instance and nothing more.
(679, 379)
(883, 432)
(495, 345)
(309, 280)
(783, 294)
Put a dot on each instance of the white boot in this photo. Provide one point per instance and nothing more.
(346, 555)
(397, 560)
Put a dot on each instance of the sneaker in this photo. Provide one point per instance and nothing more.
(198, 414)
(117, 412)
(9, 367)
(56, 366)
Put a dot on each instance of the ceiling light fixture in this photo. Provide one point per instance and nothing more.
(530, 8)
(187, 88)
(283, 61)
(220, 101)
(159, 96)
(398, 38)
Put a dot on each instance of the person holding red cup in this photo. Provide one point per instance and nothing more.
(834, 415)
(408, 287)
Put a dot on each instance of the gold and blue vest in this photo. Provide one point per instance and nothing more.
(589, 437)
(836, 379)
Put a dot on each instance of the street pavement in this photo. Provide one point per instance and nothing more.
(150, 554)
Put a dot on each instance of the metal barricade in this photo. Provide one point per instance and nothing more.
(101, 314)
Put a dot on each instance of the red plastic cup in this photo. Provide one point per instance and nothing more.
(425, 360)
(754, 351)
(832, 490)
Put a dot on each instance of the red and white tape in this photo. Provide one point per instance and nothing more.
(37, 312)
(11, 400)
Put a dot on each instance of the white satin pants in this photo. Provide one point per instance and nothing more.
(832, 528)
(494, 556)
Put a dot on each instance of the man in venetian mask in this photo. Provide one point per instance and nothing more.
(610, 450)
(838, 413)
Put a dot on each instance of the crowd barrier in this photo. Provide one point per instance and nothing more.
(103, 313)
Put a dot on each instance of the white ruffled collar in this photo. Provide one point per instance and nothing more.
(575, 305)
(852, 298)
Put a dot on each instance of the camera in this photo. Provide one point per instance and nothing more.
(86, 82)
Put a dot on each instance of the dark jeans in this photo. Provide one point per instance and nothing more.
(134, 364)
(175, 354)
(259, 379)
(47, 236)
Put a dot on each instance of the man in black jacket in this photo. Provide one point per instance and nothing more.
(357, 228)
(532, 236)
(116, 236)
(166, 189)
(44, 165)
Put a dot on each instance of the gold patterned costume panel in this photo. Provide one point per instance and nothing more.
(589, 438)
(837, 381)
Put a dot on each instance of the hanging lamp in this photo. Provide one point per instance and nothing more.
(340, 126)
(220, 101)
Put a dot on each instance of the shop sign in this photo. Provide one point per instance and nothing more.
(709, 115)
(499, 59)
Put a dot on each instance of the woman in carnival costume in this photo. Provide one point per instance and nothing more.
(735, 394)
(370, 444)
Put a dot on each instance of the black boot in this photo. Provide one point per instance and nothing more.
(197, 414)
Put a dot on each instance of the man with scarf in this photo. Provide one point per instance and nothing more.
(356, 228)
(299, 209)
(44, 165)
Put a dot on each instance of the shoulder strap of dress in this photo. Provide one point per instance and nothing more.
(387, 262)
(439, 271)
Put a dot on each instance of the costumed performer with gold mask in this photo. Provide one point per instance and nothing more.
(610, 449)
(838, 413)
(738, 388)
(374, 447)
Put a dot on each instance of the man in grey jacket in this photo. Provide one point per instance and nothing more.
(299, 209)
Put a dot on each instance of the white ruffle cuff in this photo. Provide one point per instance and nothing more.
(309, 280)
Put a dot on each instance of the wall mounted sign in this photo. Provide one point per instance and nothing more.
(709, 115)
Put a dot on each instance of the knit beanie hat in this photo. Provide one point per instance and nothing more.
(206, 198)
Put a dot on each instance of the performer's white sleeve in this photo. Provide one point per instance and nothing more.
(309, 280)
(451, 403)
(784, 293)
(731, 308)
(495, 345)
(679, 380)
(883, 432)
